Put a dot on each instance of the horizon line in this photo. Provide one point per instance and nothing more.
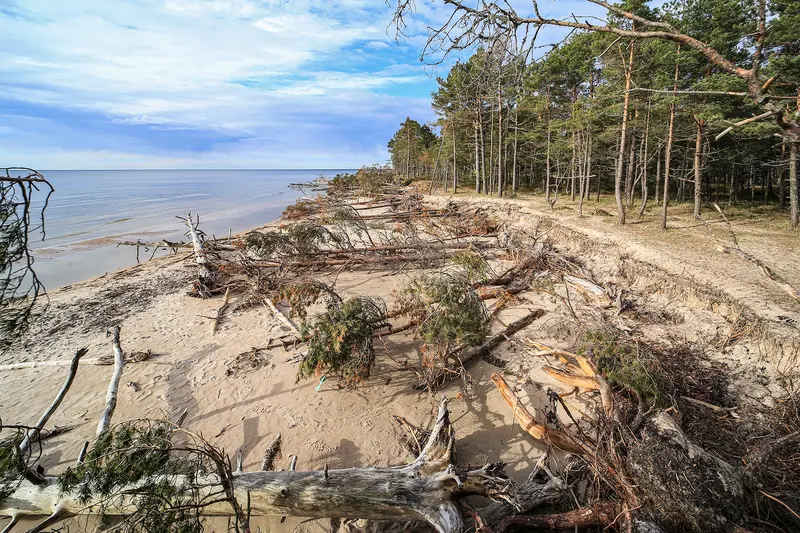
(172, 169)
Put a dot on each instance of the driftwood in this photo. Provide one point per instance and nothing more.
(429, 488)
(580, 373)
(220, 312)
(36, 433)
(355, 261)
(113, 385)
(271, 453)
(280, 316)
(206, 276)
(589, 288)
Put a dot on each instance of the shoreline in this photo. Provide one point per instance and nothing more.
(238, 392)
(70, 263)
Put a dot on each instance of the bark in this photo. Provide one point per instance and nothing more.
(483, 147)
(794, 211)
(658, 175)
(455, 164)
(644, 161)
(782, 181)
(271, 453)
(113, 385)
(630, 182)
(547, 164)
(499, 138)
(428, 488)
(582, 180)
(477, 162)
(698, 170)
(668, 149)
(514, 174)
(206, 282)
(623, 139)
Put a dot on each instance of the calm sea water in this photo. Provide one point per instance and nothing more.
(91, 210)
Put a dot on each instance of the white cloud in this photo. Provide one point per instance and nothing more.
(244, 80)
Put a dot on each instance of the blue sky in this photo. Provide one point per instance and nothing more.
(208, 83)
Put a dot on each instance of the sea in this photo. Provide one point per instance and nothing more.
(91, 211)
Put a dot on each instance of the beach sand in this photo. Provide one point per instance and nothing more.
(192, 369)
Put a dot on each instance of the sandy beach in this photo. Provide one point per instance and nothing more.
(239, 402)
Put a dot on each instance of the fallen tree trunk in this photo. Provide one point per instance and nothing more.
(377, 260)
(206, 277)
(428, 489)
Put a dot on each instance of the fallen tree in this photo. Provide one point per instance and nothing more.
(658, 476)
(136, 469)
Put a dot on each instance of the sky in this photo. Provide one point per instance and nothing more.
(118, 84)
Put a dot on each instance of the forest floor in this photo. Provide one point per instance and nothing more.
(682, 296)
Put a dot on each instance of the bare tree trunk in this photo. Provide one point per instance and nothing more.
(547, 167)
(698, 171)
(582, 183)
(483, 148)
(668, 150)
(435, 167)
(499, 139)
(631, 170)
(658, 175)
(793, 208)
(113, 385)
(644, 161)
(623, 138)
(782, 181)
(573, 164)
(477, 162)
(455, 164)
(588, 173)
(490, 184)
(33, 435)
(515, 177)
(408, 150)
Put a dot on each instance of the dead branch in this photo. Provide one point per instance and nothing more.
(36, 433)
(280, 316)
(540, 432)
(206, 278)
(113, 385)
(220, 312)
(271, 453)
